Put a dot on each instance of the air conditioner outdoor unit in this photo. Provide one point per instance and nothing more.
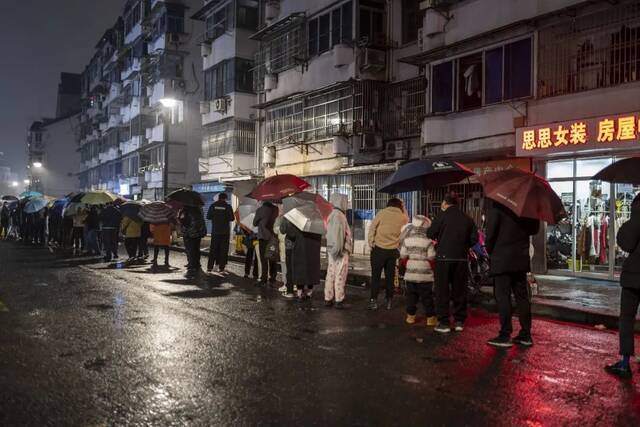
(220, 105)
(269, 156)
(148, 133)
(173, 37)
(371, 142)
(205, 107)
(434, 22)
(396, 150)
(340, 145)
(342, 55)
(205, 49)
(272, 10)
(373, 59)
(270, 81)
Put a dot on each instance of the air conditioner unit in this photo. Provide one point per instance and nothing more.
(205, 49)
(205, 107)
(269, 156)
(220, 105)
(173, 37)
(340, 145)
(272, 10)
(371, 142)
(148, 133)
(434, 22)
(396, 150)
(373, 59)
(270, 81)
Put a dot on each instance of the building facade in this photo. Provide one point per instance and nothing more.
(545, 86)
(140, 123)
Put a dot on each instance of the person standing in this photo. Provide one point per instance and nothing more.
(78, 231)
(628, 239)
(131, 228)
(507, 242)
(265, 219)
(110, 218)
(384, 241)
(282, 245)
(221, 216)
(339, 248)
(4, 220)
(249, 237)
(92, 225)
(454, 233)
(419, 251)
(143, 244)
(304, 260)
(161, 240)
(193, 230)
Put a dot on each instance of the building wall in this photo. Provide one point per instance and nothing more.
(61, 158)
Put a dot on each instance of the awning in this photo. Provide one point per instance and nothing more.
(279, 27)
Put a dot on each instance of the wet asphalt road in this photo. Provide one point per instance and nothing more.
(83, 343)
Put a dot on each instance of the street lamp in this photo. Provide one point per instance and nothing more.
(170, 104)
(27, 182)
(37, 164)
(14, 184)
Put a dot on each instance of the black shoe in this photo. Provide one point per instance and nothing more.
(328, 303)
(523, 340)
(339, 305)
(260, 284)
(388, 304)
(619, 370)
(500, 341)
(373, 304)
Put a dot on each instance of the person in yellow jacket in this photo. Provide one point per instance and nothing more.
(131, 229)
(384, 241)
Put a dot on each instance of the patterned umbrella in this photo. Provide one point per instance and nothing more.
(156, 213)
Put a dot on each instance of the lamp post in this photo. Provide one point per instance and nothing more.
(169, 104)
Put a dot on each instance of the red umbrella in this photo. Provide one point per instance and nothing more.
(278, 186)
(525, 193)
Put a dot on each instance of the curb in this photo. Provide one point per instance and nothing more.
(539, 307)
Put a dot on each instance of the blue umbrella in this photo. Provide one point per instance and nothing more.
(423, 175)
(30, 194)
(130, 209)
(36, 205)
(58, 206)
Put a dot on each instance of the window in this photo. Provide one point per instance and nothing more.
(132, 18)
(247, 15)
(232, 75)
(411, 20)
(330, 29)
(372, 29)
(219, 22)
(495, 75)
(284, 122)
(228, 137)
(442, 87)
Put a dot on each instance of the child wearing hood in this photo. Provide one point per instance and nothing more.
(339, 246)
(419, 252)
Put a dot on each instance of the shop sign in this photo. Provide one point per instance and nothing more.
(482, 168)
(619, 131)
(209, 187)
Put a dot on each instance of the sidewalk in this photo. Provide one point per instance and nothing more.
(573, 299)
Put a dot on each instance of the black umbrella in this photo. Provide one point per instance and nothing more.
(186, 197)
(9, 198)
(425, 174)
(625, 171)
(130, 209)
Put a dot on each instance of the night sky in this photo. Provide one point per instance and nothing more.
(41, 39)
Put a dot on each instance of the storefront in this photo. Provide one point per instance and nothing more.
(569, 154)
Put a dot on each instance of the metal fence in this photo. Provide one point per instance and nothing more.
(598, 49)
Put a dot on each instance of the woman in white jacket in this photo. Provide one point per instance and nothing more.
(339, 246)
(418, 251)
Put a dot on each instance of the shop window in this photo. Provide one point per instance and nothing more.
(590, 167)
(442, 88)
(470, 82)
(560, 169)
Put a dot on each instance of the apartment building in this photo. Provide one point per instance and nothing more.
(545, 86)
(140, 124)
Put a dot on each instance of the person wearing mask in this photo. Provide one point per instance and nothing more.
(628, 239)
(507, 242)
(110, 218)
(92, 225)
(193, 230)
(161, 240)
(78, 231)
(419, 252)
(454, 233)
(131, 230)
(265, 219)
(221, 216)
(339, 247)
(384, 241)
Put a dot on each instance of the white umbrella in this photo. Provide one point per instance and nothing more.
(247, 213)
(307, 218)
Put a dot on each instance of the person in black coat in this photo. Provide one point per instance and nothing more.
(221, 216)
(507, 242)
(628, 239)
(265, 219)
(454, 233)
(304, 262)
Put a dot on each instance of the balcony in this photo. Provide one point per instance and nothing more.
(157, 133)
(131, 110)
(132, 145)
(114, 120)
(133, 35)
(114, 93)
(165, 88)
(133, 68)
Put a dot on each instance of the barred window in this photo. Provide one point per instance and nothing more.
(230, 136)
(284, 122)
(598, 49)
(232, 75)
